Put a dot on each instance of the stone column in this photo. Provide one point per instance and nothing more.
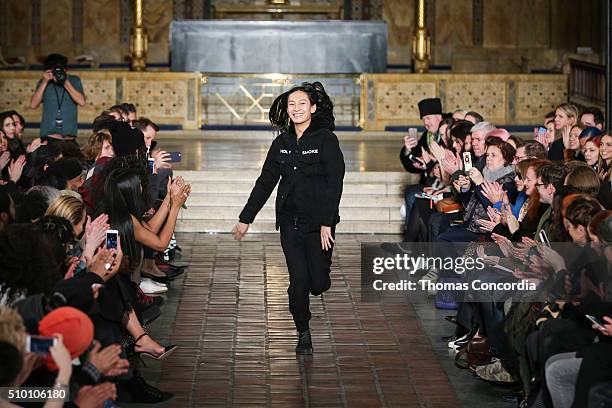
(421, 46)
(138, 40)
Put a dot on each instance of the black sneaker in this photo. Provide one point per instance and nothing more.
(137, 391)
(304, 345)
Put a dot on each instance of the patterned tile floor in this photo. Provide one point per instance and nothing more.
(230, 319)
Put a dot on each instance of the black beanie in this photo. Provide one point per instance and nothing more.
(126, 139)
(68, 168)
(430, 106)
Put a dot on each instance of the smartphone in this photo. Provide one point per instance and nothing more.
(544, 238)
(175, 157)
(151, 163)
(414, 159)
(467, 161)
(595, 321)
(111, 239)
(542, 131)
(413, 132)
(39, 344)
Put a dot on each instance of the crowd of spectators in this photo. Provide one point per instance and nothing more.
(534, 209)
(61, 277)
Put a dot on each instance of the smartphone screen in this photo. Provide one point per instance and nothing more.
(111, 239)
(151, 165)
(594, 320)
(175, 157)
(413, 132)
(544, 238)
(39, 344)
(542, 131)
(467, 161)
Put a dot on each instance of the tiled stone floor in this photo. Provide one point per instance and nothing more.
(230, 319)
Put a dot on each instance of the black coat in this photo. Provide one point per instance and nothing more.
(416, 151)
(311, 173)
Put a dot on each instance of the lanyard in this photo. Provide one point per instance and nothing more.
(59, 101)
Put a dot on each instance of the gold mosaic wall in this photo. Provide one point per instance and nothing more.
(164, 97)
(391, 99)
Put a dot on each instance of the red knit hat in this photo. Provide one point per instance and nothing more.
(76, 327)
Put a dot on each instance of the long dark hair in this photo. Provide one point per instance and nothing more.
(279, 118)
(122, 199)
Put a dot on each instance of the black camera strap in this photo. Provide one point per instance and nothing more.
(59, 101)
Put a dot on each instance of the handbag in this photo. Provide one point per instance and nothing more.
(476, 353)
(447, 205)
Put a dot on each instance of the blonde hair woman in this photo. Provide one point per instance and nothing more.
(566, 116)
(73, 209)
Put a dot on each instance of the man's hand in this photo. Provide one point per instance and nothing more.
(410, 143)
(240, 230)
(327, 240)
(47, 76)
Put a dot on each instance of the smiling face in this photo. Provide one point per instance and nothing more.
(432, 122)
(530, 181)
(591, 153)
(606, 148)
(574, 142)
(107, 150)
(299, 108)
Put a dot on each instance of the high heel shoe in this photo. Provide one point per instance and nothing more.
(167, 350)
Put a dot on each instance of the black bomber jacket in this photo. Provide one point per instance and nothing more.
(311, 171)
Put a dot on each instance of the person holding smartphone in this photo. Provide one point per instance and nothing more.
(307, 159)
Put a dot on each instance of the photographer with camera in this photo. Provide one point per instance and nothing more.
(59, 94)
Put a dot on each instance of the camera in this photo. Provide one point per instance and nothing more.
(59, 75)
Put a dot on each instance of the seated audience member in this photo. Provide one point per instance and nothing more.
(474, 117)
(498, 172)
(566, 116)
(131, 112)
(592, 117)
(64, 174)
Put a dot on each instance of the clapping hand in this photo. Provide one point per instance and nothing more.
(16, 168)
(493, 191)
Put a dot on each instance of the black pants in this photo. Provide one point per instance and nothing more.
(309, 268)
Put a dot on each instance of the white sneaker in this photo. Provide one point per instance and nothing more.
(150, 287)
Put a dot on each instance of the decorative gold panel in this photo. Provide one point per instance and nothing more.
(97, 94)
(539, 98)
(167, 98)
(486, 98)
(158, 99)
(16, 95)
(504, 99)
(400, 99)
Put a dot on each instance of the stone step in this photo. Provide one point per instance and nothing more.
(268, 213)
(250, 175)
(345, 227)
(246, 187)
(199, 199)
